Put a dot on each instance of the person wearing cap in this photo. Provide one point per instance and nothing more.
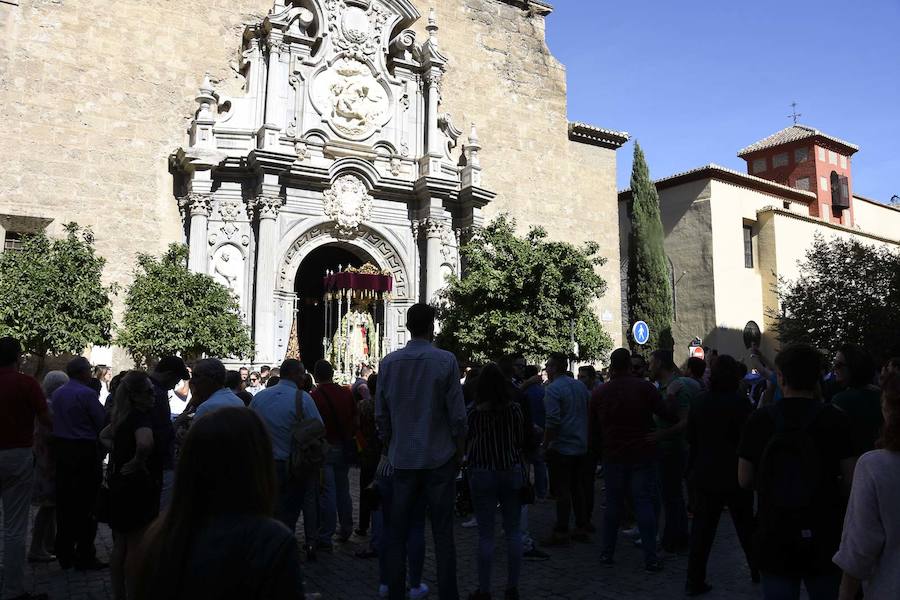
(21, 401)
(78, 418)
(167, 374)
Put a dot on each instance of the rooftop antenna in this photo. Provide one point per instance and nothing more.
(794, 114)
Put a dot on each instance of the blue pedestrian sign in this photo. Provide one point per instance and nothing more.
(641, 333)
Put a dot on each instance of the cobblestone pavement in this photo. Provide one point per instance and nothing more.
(572, 573)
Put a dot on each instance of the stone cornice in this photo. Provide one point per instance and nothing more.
(539, 7)
(597, 136)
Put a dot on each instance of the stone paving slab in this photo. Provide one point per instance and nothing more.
(572, 573)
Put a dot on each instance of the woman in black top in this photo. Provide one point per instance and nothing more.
(493, 453)
(714, 429)
(218, 540)
(135, 478)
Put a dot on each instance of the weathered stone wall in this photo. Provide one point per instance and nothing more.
(94, 98)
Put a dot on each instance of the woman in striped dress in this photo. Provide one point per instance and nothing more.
(494, 445)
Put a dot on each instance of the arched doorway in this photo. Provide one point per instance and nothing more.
(309, 288)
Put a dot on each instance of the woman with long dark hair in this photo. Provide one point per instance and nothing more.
(493, 450)
(134, 476)
(870, 546)
(218, 540)
(714, 429)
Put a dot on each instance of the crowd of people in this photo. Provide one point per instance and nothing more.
(203, 474)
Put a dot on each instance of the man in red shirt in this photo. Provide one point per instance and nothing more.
(21, 401)
(622, 412)
(338, 410)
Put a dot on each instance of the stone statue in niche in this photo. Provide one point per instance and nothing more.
(228, 268)
(351, 98)
(348, 203)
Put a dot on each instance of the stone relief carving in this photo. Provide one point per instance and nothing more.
(228, 267)
(302, 150)
(348, 203)
(196, 203)
(350, 97)
(395, 167)
(230, 209)
(229, 229)
(268, 207)
(355, 31)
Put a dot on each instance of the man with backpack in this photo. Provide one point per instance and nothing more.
(798, 455)
(297, 446)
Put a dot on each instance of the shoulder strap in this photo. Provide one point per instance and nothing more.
(337, 422)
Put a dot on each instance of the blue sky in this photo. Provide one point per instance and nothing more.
(696, 81)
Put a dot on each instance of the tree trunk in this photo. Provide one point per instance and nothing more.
(41, 364)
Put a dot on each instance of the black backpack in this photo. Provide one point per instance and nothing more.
(791, 472)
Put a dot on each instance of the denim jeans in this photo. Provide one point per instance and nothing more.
(415, 542)
(818, 587)
(438, 488)
(291, 498)
(672, 465)
(16, 473)
(335, 503)
(641, 479)
(490, 488)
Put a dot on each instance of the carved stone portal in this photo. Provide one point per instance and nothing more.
(348, 203)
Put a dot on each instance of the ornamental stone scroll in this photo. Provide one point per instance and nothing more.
(348, 203)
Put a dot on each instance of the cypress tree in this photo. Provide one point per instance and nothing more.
(649, 286)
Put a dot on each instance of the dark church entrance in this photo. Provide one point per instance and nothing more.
(310, 291)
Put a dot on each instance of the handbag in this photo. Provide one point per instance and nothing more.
(349, 449)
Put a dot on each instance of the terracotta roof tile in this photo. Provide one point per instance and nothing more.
(792, 134)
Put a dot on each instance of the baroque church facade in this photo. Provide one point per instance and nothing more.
(337, 134)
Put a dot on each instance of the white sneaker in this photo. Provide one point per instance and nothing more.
(473, 522)
(633, 533)
(419, 592)
(383, 591)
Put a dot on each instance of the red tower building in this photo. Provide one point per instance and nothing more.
(807, 159)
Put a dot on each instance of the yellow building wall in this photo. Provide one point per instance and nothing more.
(876, 218)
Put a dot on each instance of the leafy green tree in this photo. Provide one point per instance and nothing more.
(649, 286)
(51, 295)
(169, 310)
(847, 292)
(523, 294)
